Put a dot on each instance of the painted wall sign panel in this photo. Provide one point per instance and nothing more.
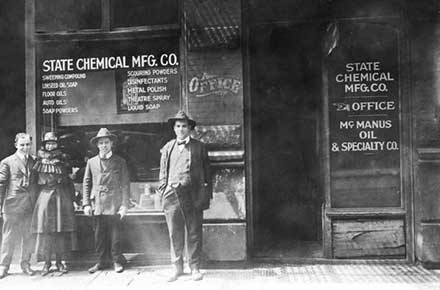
(215, 87)
(108, 82)
(364, 114)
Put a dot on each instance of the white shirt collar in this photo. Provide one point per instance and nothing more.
(22, 156)
(186, 140)
(106, 156)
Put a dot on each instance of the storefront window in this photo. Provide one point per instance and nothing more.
(132, 13)
(130, 87)
(67, 15)
(139, 145)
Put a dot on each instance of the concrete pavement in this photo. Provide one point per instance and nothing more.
(259, 276)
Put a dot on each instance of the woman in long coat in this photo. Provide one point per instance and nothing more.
(53, 219)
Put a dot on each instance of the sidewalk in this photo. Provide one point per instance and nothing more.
(318, 276)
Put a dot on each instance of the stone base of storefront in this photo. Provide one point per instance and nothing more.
(145, 241)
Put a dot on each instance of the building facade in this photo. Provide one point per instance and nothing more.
(321, 117)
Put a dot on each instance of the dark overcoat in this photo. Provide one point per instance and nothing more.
(54, 211)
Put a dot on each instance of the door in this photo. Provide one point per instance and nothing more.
(285, 65)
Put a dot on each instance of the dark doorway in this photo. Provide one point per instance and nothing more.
(285, 63)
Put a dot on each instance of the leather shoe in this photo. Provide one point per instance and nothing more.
(196, 275)
(96, 268)
(118, 267)
(46, 269)
(178, 271)
(61, 267)
(3, 272)
(26, 268)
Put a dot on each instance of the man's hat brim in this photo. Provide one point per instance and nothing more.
(48, 141)
(191, 122)
(96, 138)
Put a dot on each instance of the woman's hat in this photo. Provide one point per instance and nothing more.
(182, 116)
(103, 133)
(50, 137)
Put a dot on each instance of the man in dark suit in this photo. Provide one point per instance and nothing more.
(186, 190)
(17, 200)
(106, 187)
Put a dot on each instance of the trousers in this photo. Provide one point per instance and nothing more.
(180, 215)
(108, 239)
(16, 230)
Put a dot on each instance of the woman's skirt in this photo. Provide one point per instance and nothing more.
(55, 243)
(53, 223)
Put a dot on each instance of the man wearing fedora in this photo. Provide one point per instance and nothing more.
(106, 188)
(17, 200)
(185, 188)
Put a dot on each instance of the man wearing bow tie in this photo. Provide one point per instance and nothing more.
(17, 200)
(186, 189)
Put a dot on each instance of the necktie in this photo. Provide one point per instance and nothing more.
(181, 142)
(26, 176)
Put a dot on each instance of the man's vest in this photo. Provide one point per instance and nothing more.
(179, 167)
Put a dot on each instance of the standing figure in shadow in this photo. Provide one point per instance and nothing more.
(53, 221)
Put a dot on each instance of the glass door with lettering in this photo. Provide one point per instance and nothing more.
(362, 63)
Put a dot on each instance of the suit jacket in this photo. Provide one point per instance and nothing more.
(17, 185)
(201, 184)
(106, 190)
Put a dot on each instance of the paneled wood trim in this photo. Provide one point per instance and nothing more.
(325, 163)
(105, 15)
(407, 136)
(228, 164)
(363, 238)
(423, 151)
(364, 212)
(431, 154)
(226, 155)
(31, 100)
(183, 57)
(365, 172)
(247, 129)
(324, 20)
(120, 33)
